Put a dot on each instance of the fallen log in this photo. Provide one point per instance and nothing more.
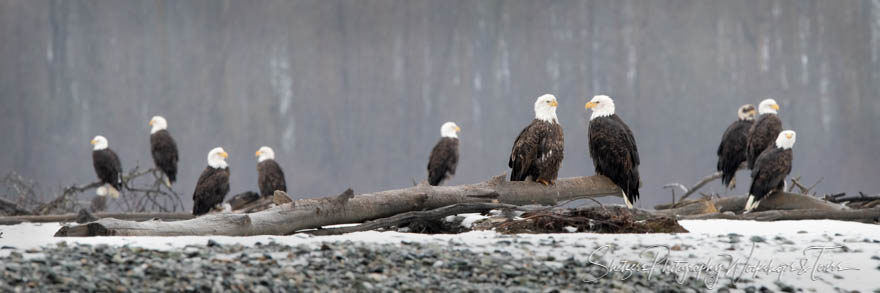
(12, 209)
(71, 217)
(593, 219)
(240, 200)
(313, 213)
(694, 207)
(776, 201)
(871, 215)
(409, 217)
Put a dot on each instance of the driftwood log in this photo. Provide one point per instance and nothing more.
(778, 207)
(777, 201)
(71, 217)
(313, 213)
(10, 208)
(409, 217)
(871, 215)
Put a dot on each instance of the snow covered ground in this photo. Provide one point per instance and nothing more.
(821, 256)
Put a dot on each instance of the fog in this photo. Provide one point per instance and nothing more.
(353, 93)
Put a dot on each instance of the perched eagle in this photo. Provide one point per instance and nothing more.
(444, 156)
(613, 148)
(538, 150)
(763, 131)
(732, 150)
(213, 184)
(269, 174)
(770, 170)
(107, 166)
(164, 149)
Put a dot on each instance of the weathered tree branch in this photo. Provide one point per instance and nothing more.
(409, 217)
(776, 201)
(71, 217)
(313, 213)
(693, 189)
(839, 198)
(10, 208)
(861, 215)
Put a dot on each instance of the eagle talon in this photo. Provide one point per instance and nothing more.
(545, 182)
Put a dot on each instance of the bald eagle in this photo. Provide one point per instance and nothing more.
(444, 156)
(538, 149)
(107, 166)
(269, 174)
(613, 148)
(732, 150)
(213, 184)
(763, 131)
(164, 149)
(770, 170)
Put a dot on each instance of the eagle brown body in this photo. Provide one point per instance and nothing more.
(211, 189)
(762, 134)
(732, 150)
(769, 173)
(537, 152)
(164, 151)
(108, 167)
(443, 160)
(614, 153)
(270, 177)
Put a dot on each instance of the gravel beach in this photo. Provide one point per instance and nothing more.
(341, 266)
(478, 261)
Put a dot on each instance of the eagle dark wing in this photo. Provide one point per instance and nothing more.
(108, 167)
(630, 140)
(550, 152)
(211, 188)
(614, 153)
(271, 177)
(164, 151)
(762, 134)
(732, 149)
(524, 151)
(443, 160)
(771, 168)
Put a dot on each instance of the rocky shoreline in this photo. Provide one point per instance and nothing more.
(330, 266)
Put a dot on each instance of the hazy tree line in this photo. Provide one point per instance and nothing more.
(352, 93)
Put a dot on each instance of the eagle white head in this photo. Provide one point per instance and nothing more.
(99, 143)
(786, 139)
(545, 108)
(158, 123)
(449, 129)
(217, 158)
(768, 106)
(746, 112)
(602, 106)
(265, 153)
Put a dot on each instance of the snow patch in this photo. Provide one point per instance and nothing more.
(470, 219)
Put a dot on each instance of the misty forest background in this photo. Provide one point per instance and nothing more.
(353, 93)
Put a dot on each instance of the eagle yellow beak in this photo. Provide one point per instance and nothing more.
(257, 154)
(554, 103)
(788, 135)
(151, 123)
(457, 129)
(224, 155)
(774, 106)
(589, 105)
(94, 141)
